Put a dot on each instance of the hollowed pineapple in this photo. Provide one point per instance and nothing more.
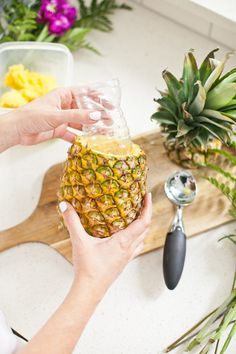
(105, 182)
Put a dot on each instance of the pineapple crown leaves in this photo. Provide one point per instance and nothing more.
(201, 105)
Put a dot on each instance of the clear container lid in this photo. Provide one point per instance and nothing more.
(46, 58)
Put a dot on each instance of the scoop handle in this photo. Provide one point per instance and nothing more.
(174, 257)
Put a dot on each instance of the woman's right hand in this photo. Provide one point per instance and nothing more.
(100, 261)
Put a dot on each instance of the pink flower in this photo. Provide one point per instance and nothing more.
(59, 15)
(59, 24)
(69, 11)
(48, 9)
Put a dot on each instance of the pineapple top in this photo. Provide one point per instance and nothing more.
(109, 146)
(199, 107)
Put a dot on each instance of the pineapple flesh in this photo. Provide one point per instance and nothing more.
(105, 181)
(197, 113)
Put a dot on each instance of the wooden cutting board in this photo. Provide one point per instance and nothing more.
(209, 210)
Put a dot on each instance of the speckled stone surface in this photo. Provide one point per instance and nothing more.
(138, 315)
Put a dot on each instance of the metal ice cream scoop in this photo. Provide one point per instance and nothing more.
(181, 190)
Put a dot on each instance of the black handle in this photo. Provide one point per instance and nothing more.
(174, 257)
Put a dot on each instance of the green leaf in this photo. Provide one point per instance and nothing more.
(231, 114)
(215, 73)
(220, 96)
(214, 132)
(75, 38)
(221, 171)
(229, 73)
(229, 78)
(229, 156)
(212, 122)
(190, 76)
(96, 14)
(19, 19)
(198, 103)
(168, 105)
(183, 129)
(206, 68)
(163, 117)
(229, 338)
(210, 113)
(174, 87)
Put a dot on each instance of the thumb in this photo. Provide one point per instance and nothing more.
(72, 222)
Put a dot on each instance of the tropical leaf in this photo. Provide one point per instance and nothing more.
(174, 87)
(163, 117)
(198, 103)
(96, 14)
(215, 73)
(190, 76)
(167, 104)
(220, 116)
(206, 69)
(220, 96)
(183, 129)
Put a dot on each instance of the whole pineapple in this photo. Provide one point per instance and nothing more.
(105, 182)
(198, 112)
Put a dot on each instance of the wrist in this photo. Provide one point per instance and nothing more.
(8, 131)
(89, 286)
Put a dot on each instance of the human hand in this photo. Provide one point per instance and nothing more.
(49, 117)
(100, 261)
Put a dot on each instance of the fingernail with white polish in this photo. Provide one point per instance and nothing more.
(150, 195)
(96, 115)
(62, 206)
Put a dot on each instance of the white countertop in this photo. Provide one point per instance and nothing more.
(138, 315)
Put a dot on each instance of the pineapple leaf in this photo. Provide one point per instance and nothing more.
(221, 116)
(229, 78)
(167, 104)
(190, 76)
(214, 131)
(206, 68)
(215, 73)
(231, 114)
(183, 129)
(186, 115)
(174, 87)
(220, 96)
(228, 74)
(163, 117)
(210, 121)
(198, 103)
(230, 106)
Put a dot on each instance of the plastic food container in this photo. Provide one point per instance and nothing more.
(46, 58)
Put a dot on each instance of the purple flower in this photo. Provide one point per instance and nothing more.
(48, 9)
(59, 24)
(59, 15)
(69, 11)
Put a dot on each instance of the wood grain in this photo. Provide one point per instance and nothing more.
(209, 210)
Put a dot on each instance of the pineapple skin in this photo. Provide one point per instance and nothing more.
(190, 156)
(106, 191)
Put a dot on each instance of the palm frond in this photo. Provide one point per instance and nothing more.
(96, 14)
